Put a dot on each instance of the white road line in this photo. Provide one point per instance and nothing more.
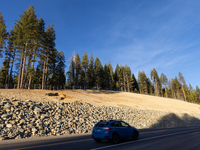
(141, 140)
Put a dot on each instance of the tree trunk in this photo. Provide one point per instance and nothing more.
(11, 68)
(124, 82)
(29, 84)
(85, 80)
(178, 94)
(146, 89)
(6, 77)
(19, 76)
(45, 79)
(157, 88)
(172, 89)
(161, 90)
(128, 85)
(97, 83)
(26, 75)
(184, 93)
(166, 92)
(22, 76)
(24, 62)
(6, 81)
(43, 75)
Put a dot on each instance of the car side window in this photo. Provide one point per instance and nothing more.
(116, 124)
(124, 124)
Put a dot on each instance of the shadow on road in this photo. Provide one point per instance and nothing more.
(173, 120)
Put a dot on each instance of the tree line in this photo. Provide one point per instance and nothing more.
(90, 73)
(171, 88)
(32, 58)
(30, 47)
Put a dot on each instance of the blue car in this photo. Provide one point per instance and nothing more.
(114, 130)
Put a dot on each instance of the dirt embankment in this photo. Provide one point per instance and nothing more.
(107, 98)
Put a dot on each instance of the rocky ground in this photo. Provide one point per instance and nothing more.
(23, 119)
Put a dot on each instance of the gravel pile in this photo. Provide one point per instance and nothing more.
(23, 119)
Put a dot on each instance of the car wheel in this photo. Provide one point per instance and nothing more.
(97, 140)
(135, 135)
(115, 138)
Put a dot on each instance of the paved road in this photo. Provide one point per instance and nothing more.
(183, 138)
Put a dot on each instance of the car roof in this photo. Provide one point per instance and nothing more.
(110, 121)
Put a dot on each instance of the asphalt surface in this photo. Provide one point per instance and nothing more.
(182, 138)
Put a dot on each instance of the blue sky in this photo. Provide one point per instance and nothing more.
(144, 34)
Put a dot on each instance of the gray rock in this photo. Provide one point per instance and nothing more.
(37, 110)
(32, 119)
(9, 125)
(4, 116)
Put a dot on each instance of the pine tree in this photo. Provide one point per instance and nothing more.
(192, 93)
(155, 78)
(35, 50)
(111, 79)
(197, 94)
(77, 69)
(117, 85)
(177, 87)
(25, 30)
(58, 77)
(129, 80)
(38, 75)
(85, 62)
(164, 81)
(7, 64)
(54, 59)
(98, 69)
(105, 76)
(143, 85)
(150, 87)
(82, 78)
(182, 81)
(172, 89)
(116, 77)
(48, 52)
(71, 72)
(12, 54)
(91, 73)
(3, 35)
(135, 87)
(3, 71)
(123, 77)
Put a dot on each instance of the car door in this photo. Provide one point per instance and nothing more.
(117, 127)
(126, 129)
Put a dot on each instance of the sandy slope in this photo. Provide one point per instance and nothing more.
(108, 98)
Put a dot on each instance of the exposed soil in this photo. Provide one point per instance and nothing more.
(107, 98)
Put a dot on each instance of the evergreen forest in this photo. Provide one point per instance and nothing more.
(31, 61)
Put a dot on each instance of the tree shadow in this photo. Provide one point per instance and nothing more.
(103, 91)
(93, 91)
(173, 120)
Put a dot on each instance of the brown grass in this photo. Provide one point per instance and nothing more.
(107, 98)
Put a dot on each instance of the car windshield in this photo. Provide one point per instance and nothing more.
(101, 124)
